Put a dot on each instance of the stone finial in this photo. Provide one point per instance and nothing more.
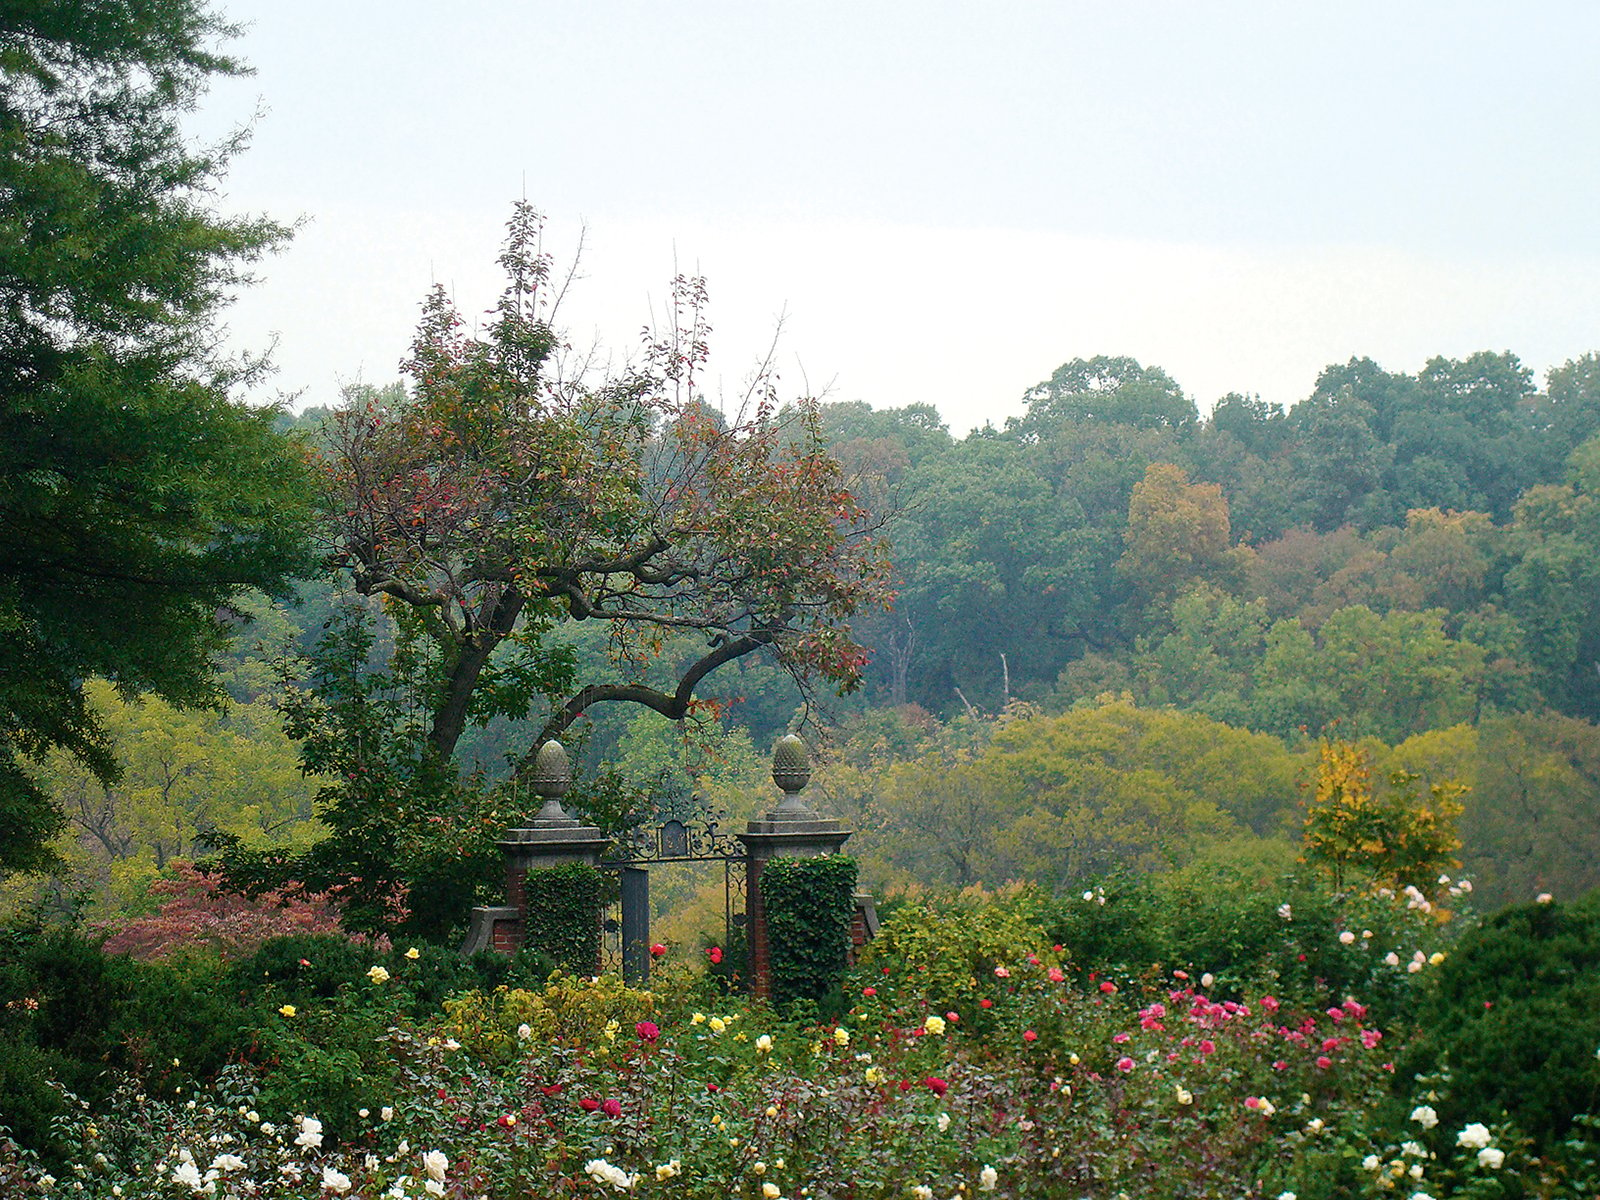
(552, 776)
(791, 771)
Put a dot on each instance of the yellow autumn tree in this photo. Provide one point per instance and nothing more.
(1395, 836)
(1177, 533)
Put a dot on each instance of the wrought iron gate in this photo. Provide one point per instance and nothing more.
(625, 942)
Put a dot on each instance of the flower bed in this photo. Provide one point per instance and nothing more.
(1029, 1078)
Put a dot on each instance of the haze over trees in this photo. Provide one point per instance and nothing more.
(1121, 625)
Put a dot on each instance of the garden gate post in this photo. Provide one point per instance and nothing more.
(551, 839)
(635, 926)
(792, 830)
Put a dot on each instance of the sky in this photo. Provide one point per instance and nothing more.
(931, 202)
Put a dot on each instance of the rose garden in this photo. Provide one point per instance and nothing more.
(1196, 1036)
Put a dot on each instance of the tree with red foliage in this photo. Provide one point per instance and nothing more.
(503, 498)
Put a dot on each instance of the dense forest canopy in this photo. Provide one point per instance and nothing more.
(1113, 539)
(1403, 559)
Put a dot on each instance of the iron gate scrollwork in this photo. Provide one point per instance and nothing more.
(626, 926)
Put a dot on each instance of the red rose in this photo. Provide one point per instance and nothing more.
(1030, 1036)
(936, 1085)
(588, 1104)
(986, 1003)
(657, 950)
(715, 954)
(612, 1108)
(647, 1030)
(1108, 987)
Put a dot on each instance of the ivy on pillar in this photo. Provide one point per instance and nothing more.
(791, 830)
(566, 928)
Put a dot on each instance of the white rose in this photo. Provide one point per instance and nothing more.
(435, 1163)
(187, 1174)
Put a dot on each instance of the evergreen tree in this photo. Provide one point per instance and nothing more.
(136, 498)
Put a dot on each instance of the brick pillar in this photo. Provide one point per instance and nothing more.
(552, 838)
(792, 830)
(500, 928)
(764, 841)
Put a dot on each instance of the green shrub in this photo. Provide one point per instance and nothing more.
(300, 968)
(304, 968)
(939, 947)
(1251, 931)
(808, 903)
(330, 1057)
(75, 1016)
(1511, 1021)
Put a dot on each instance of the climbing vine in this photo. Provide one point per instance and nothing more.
(808, 903)
(563, 915)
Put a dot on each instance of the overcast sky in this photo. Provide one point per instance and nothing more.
(947, 200)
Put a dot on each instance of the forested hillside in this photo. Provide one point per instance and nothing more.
(1121, 629)
(1249, 563)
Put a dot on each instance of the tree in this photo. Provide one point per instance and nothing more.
(1207, 663)
(994, 565)
(137, 501)
(181, 774)
(1394, 837)
(1177, 534)
(1528, 823)
(1109, 390)
(1340, 461)
(502, 500)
